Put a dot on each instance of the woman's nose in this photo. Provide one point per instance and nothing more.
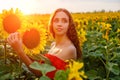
(59, 23)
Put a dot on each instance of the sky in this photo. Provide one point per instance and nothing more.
(48, 6)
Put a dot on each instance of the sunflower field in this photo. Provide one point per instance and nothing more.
(99, 35)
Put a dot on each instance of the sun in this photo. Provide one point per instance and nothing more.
(26, 11)
(10, 22)
(34, 38)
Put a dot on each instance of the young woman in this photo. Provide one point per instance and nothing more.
(65, 47)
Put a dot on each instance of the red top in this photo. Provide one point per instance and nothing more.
(57, 63)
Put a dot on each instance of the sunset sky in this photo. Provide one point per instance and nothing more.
(48, 6)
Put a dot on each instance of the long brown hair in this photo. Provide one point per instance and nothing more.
(71, 33)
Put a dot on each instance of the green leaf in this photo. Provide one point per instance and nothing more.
(113, 67)
(44, 68)
(92, 74)
(5, 76)
(44, 78)
(115, 78)
(60, 75)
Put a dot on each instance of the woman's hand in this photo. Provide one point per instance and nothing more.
(15, 41)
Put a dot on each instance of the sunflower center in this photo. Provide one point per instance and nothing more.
(11, 23)
(31, 39)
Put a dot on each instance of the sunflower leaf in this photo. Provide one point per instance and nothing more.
(44, 68)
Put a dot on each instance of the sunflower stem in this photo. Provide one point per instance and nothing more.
(20, 67)
(5, 52)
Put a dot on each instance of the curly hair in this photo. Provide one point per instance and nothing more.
(71, 33)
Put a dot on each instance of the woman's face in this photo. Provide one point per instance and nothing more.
(60, 23)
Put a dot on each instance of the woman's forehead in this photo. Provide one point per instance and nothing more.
(61, 14)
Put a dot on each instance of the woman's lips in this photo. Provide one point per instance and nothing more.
(59, 29)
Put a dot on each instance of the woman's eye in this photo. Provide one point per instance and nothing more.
(55, 20)
(64, 20)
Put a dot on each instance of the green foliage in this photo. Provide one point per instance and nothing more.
(11, 68)
(43, 68)
(101, 57)
(44, 78)
(61, 75)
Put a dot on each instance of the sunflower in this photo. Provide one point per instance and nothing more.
(10, 21)
(34, 38)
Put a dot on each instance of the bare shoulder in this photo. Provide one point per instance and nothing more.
(72, 49)
(71, 52)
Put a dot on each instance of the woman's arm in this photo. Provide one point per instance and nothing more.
(15, 41)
